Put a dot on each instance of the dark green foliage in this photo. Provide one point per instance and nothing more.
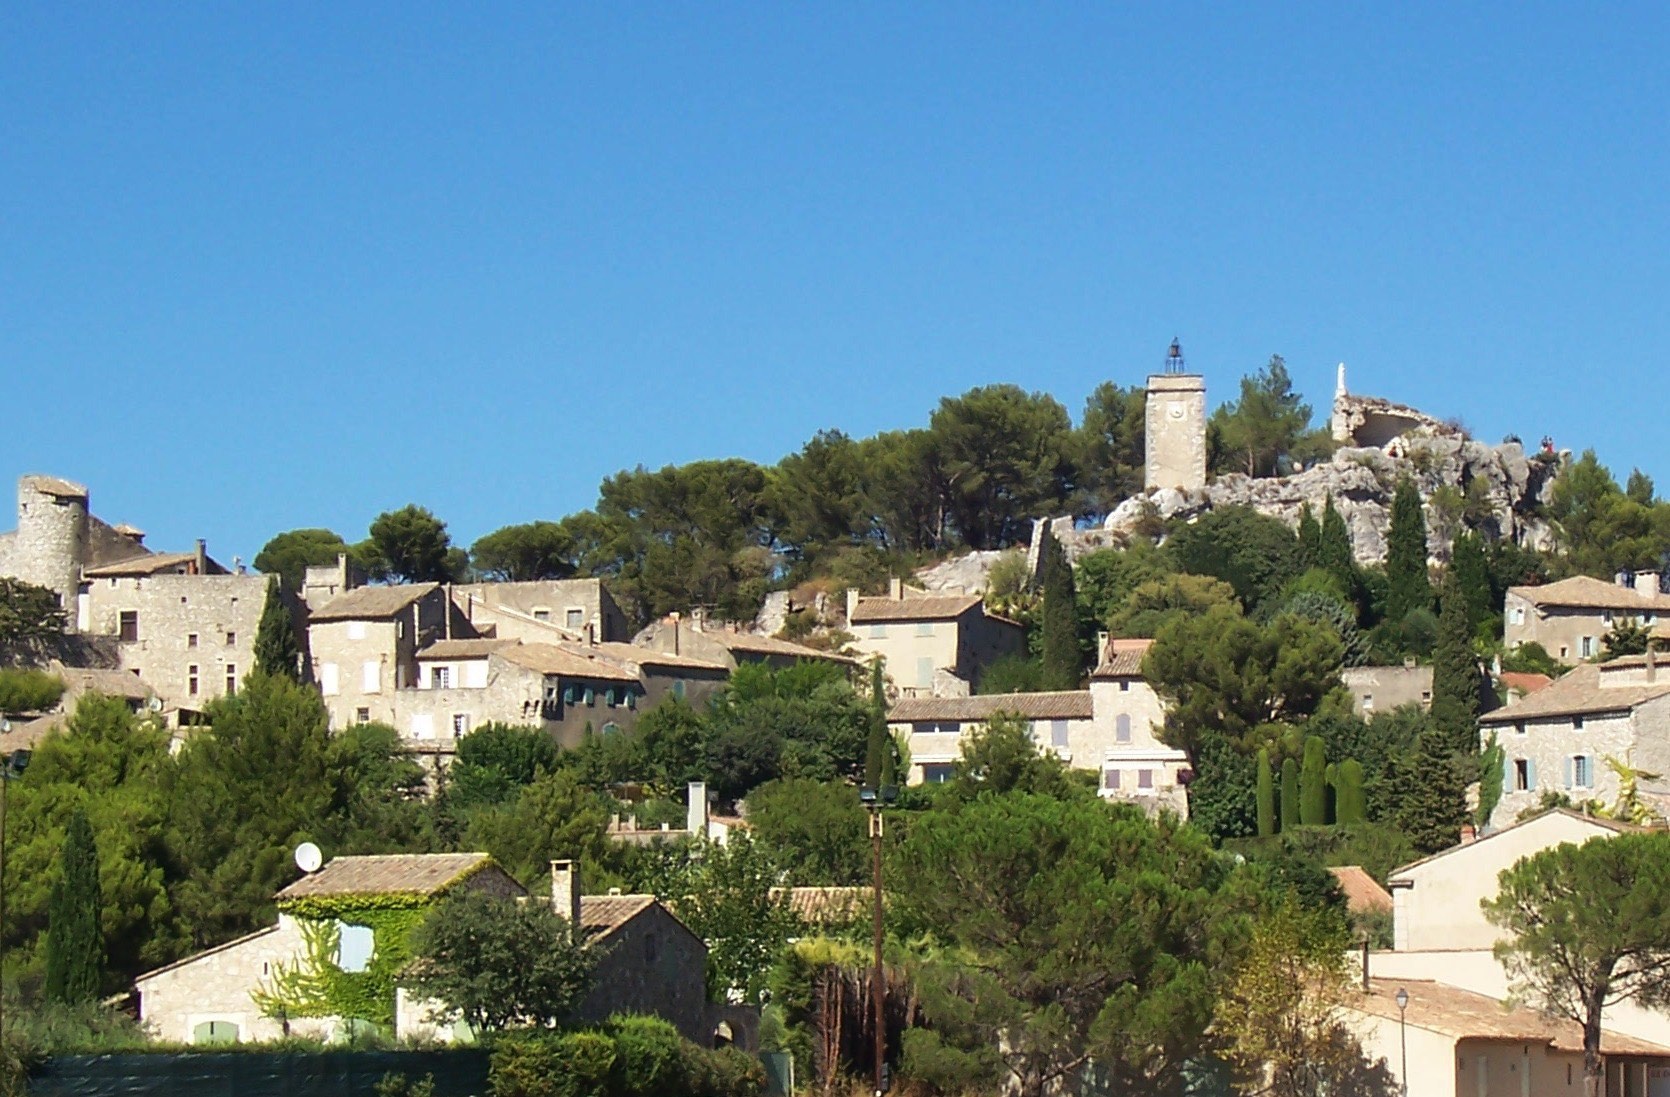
(1062, 663)
(1333, 548)
(1223, 794)
(29, 690)
(1013, 673)
(1266, 796)
(410, 545)
(1472, 570)
(631, 1056)
(1109, 448)
(1313, 785)
(1004, 455)
(1326, 609)
(1602, 529)
(1427, 794)
(1455, 672)
(533, 550)
(1001, 757)
(1406, 553)
(31, 621)
(74, 942)
(814, 831)
(500, 963)
(1264, 425)
(1105, 578)
(1491, 779)
(1532, 658)
(1290, 809)
(1625, 637)
(1310, 536)
(277, 651)
(1256, 554)
(876, 745)
(1350, 807)
(554, 817)
(1153, 605)
(288, 555)
(495, 761)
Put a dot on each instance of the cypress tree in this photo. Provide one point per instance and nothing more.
(1467, 560)
(876, 749)
(1310, 537)
(1333, 547)
(1059, 619)
(1266, 796)
(74, 941)
(1455, 671)
(1313, 785)
(1289, 793)
(1429, 795)
(1409, 589)
(1350, 807)
(276, 650)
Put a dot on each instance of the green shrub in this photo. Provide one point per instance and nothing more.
(29, 690)
(633, 1056)
(650, 1056)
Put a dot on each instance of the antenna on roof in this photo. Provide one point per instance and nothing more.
(308, 857)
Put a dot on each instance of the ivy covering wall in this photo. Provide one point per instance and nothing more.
(314, 986)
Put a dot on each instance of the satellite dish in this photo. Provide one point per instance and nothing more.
(308, 857)
(154, 704)
(5, 726)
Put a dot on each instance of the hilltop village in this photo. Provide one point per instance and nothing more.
(1159, 730)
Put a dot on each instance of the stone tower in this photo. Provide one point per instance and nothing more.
(52, 530)
(1176, 427)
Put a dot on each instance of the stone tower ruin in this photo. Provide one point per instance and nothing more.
(51, 540)
(1176, 427)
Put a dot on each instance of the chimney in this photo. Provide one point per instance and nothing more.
(1646, 583)
(852, 603)
(1365, 962)
(1652, 663)
(565, 891)
(672, 619)
(695, 811)
(896, 589)
(200, 562)
(698, 618)
(448, 626)
(1469, 834)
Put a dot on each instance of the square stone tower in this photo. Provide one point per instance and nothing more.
(1176, 430)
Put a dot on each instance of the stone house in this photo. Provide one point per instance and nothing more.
(925, 639)
(57, 536)
(652, 963)
(1111, 729)
(1442, 937)
(1571, 618)
(1382, 689)
(1560, 738)
(341, 928)
(363, 646)
(581, 608)
(728, 646)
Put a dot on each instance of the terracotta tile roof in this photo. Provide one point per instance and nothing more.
(1398, 875)
(632, 653)
(1122, 658)
(27, 734)
(383, 874)
(1580, 693)
(551, 659)
(816, 905)
(53, 485)
(1523, 682)
(1462, 1014)
(914, 607)
(1066, 705)
(112, 683)
(759, 644)
(1586, 592)
(372, 603)
(151, 563)
(475, 648)
(601, 915)
(1362, 894)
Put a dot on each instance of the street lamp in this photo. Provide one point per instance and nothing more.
(874, 800)
(11, 769)
(1402, 998)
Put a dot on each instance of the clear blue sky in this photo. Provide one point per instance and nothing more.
(266, 266)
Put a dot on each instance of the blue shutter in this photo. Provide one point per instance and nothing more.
(1530, 773)
(1568, 770)
(1507, 773)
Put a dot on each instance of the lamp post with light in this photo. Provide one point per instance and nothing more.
(874, 800)
(1402, 998)
(10, 770)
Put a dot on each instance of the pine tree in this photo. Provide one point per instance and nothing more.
(1350, 807)
(1406, 575)
(1266, 796)
(877, 749)
(1429, 794)
(1289, 793)
(1059, 620)
(1310, 537)
(1455, 671)
(1333, 547)
(276, 650)
(1313, 785)
(74, 940)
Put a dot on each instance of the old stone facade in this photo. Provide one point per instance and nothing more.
(57, 536)
(920, 635)
(363, 647)
(1382, 689)
(727, 645)
(1176, 432)
(1571, 618)
(581, 608)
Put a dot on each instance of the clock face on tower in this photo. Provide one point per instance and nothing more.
(1177, 413)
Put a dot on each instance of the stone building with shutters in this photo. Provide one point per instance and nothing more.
(933, 644)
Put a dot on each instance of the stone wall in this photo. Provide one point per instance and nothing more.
(1382, 689)
(574, 605)
(184, 621)
(1176, 432)
(653, 965)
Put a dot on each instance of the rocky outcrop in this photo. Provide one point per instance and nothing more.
(1496, 487)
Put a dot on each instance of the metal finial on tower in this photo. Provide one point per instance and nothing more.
(1174, 357)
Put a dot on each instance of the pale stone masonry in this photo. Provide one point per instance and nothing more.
(1571, 618)
(933, 644)
(582, 608)
(1382, 689)
(57, 536)
(1175, 432)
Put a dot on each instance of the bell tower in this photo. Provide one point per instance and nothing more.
(1175, 426)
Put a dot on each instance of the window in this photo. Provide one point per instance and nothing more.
(1577, 723)
(1522, 775)
(1145, 778)
(1426, 697)
(1586, 646)
(611, 728)
(1368, 702)
(460, 724)
(1519, 727)
(371, 676)
(542, 614)
(569, 693)
(129, 625)
(611, 697)
(191, 680)
(231, 679)
(574, 618)
(1582, 771)
(1565, 652)
(215, 1032)
(328, 684)
(354, 947)
(362, 716)
(1124, 686)
(936, 773)
(678, 689)
(191, 639)
(1122, 728)
(590, 696)
(1606, 617)
(356, 630)
(925, 671)
(1058, 733)
(231, 639)
(652, 948)
(1110, 779)
(440, 678)
(1518, 615)
(878, 632)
